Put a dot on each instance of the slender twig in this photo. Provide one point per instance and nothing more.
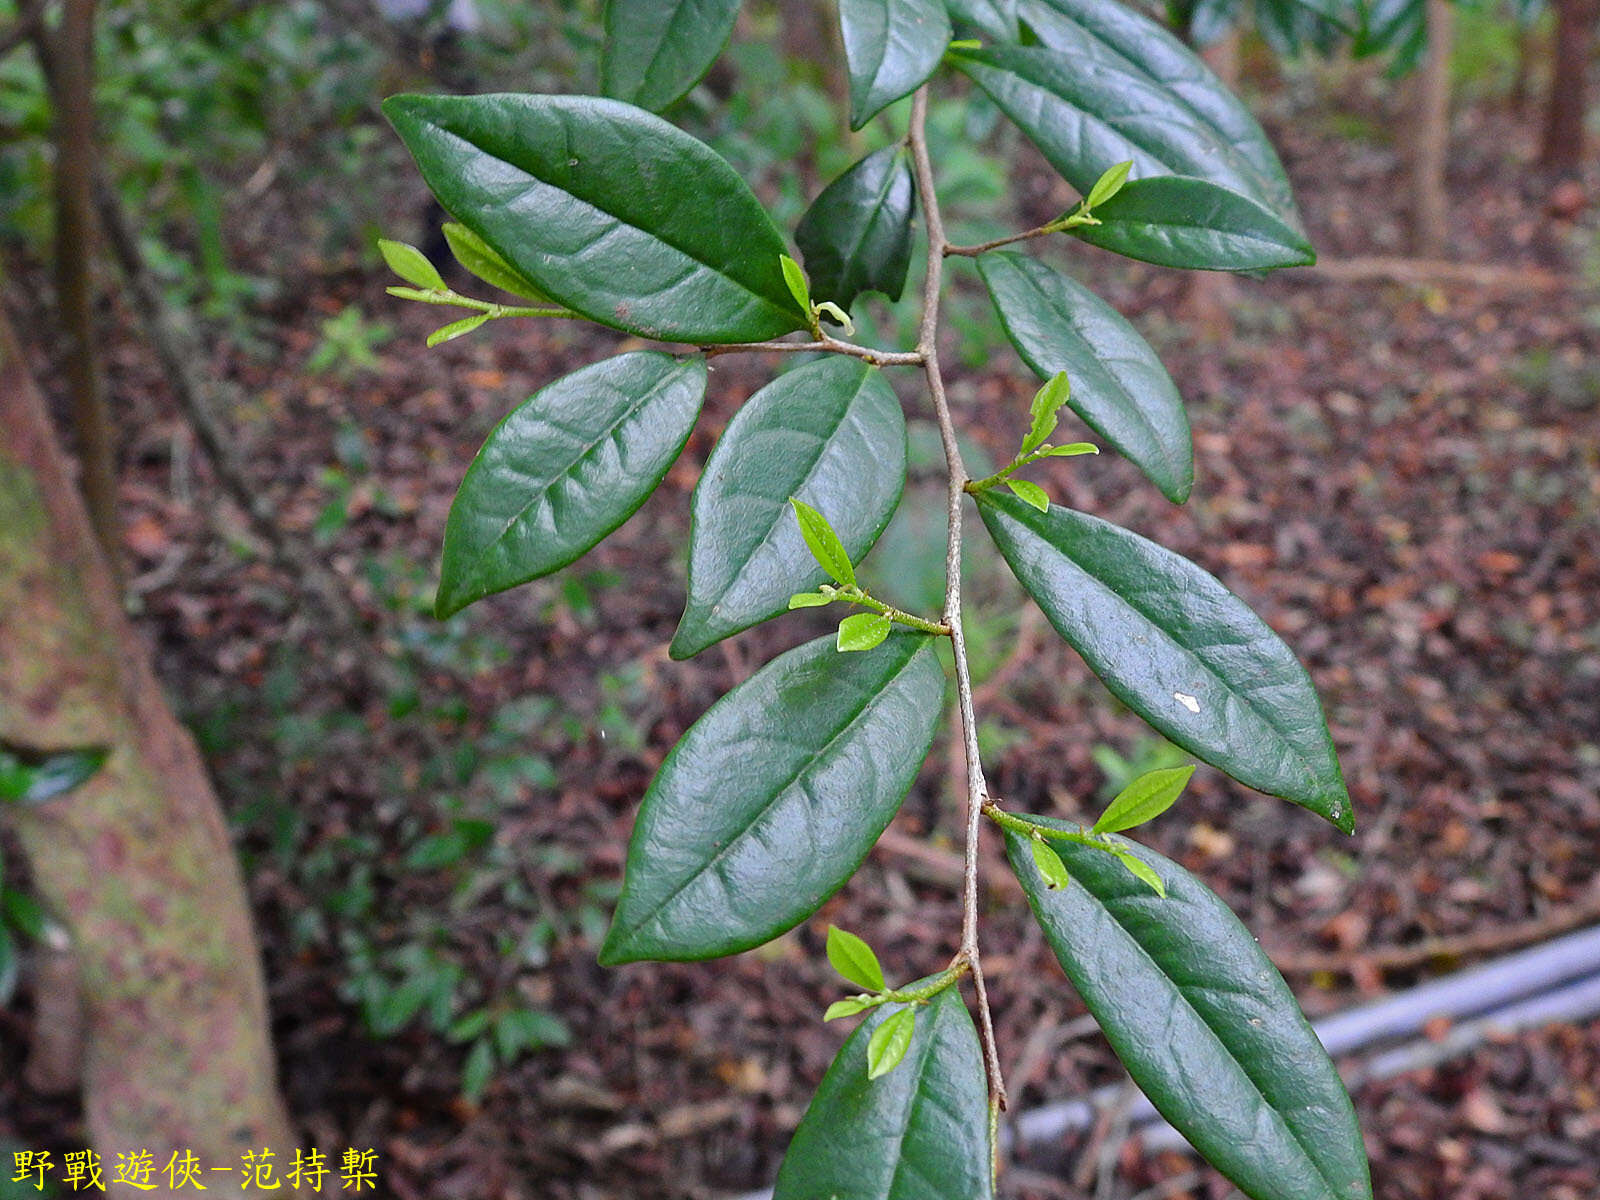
(983, 247)
(977, 789)
(826, 345)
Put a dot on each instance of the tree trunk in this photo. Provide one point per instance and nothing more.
(1563, 128)
(136, 863)
(1428, 103)
(72, 97)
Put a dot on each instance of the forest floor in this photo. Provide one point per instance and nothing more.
(1403, 477)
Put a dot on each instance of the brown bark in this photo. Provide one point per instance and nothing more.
(1428, 123)
(1562, 150)
(72, 96)
(136, 864)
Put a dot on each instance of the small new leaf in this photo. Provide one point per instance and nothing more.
(796, 279)
(854, 959)
(447, 333)
(1047, 401)
(1108, 185)
(1030, 493)
(1140, 870)
(863, 631)
(850, 1007)
(890, 1041)
(480, 258)
(1145, 798)
(808, 600)
(1067, 451)
(410, 264)
(1049, 864)
(823, 543)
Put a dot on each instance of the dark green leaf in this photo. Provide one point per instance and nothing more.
(830, 433)
(23, 913)
(823, 543)
(863, 631)
(890, 47)
(772, 799)
(856, 235)
(1110, 41)
(1120, 388)
(1146, 798)
(1202, 1021)
(565, 469)
(610, 211)
(918, 1133)
(1191, 223)
(889, 1042)
(478, 257)
(29, 776)
(1178, 648)
(410, 264)
(994, 18)
(854, 959)
(656, 50)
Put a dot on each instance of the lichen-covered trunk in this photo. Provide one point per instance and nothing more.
(136, 863)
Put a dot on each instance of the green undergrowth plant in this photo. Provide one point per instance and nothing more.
(594, 209)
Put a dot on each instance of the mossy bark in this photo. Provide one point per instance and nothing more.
(136, 864)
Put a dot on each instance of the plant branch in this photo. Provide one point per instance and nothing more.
(984, 247)
(824, 345)
(977, 789)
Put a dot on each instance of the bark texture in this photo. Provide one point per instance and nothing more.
(137, 863)
(1574, 44)
(1428, 112)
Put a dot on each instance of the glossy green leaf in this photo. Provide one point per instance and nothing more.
(1030, 493)
(410, 264)
(889, 1042)
(610, 211)
(890, 48)
(656, 50)
(1051, 869)
(918, 1133)
(1209, 132)
(830, 433)
(863, 631)
(29, 776)
(993, 18)
(850, 1007)
(795, 278)
(1173, 221)
(1145, 799)
(1202, 1020)
(772, 799)
(854, 959)
(1120, 389)
(1178, 648)
(449, 333)
(856, 236)
(480, 259)
(823, 542)
(564, 470)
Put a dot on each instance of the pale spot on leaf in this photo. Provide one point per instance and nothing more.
(1187, 701)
